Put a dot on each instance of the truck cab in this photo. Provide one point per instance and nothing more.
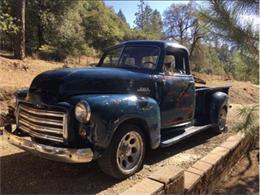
(141, 95)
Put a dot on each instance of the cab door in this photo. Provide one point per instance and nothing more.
(178, 93)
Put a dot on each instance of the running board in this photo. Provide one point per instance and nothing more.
(189, 131)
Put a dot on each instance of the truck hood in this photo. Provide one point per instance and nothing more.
(63, 83)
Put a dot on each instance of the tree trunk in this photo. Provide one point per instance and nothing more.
(40, 35)
(19, 48)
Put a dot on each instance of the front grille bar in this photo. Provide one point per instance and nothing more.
(41, 112)
(48, 124)
(40, 128)
(41, 120)
(40, 135)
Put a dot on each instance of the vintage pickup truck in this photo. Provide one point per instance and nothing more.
(141, 95)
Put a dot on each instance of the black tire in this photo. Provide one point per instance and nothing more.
(222, 117)
(109, 161)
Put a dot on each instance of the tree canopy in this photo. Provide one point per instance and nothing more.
(219, 41)
(148, 20)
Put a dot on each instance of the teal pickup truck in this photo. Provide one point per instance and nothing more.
(140, 96)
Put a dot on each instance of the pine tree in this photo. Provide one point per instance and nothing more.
(148, 20)
(139, 15)
(223, 21)
(156, 22)
(121, 16)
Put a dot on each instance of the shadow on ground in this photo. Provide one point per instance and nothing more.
(246, 186)
(24, 173)
(195, 140)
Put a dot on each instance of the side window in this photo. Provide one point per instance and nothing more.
(174, 63)
(180, 64)
(149, 62)
(129, 61)
(169, 65)
(112, 57)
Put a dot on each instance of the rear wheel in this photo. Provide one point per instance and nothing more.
(125, 155)
(222, 118)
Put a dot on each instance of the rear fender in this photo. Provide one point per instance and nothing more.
(218, 100)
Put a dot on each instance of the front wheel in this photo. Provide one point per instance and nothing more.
(125, 155)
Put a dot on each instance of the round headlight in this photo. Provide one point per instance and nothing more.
(82, 112)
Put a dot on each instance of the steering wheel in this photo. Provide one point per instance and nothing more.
(149, 63)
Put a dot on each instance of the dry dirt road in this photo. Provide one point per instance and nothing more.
(24, 173)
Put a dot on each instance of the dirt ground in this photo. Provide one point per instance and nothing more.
(243, 179)
(22, 172)
(240, 92)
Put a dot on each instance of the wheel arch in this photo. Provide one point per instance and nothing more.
(150, 139)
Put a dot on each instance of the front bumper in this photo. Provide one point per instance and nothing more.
(54, 153)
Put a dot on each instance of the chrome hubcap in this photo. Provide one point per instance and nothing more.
(222, 119)
(130, 152)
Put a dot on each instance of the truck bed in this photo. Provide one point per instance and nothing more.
(203, 95)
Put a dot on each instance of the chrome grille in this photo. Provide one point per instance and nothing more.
(44, 123)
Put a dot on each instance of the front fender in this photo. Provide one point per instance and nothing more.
(109, 111)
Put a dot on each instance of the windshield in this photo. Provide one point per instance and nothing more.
(143, 57)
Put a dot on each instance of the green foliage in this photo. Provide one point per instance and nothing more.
(249, 121)
(7, 21)
(223, 19)
(148, 20)
(205, 59)
(156, 24)
(218, 41)
(69, 33)
(103, 27)
(8, 24)
(242, 69)
(134, 34)
(121, 16)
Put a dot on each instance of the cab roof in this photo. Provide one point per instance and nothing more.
(168, 45)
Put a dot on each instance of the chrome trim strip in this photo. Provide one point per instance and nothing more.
(182, 124)
(40, 135)
(68, 155)
(179, 125)
(41, 120)
(65, 126)
(41, 112)
(40, 128)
